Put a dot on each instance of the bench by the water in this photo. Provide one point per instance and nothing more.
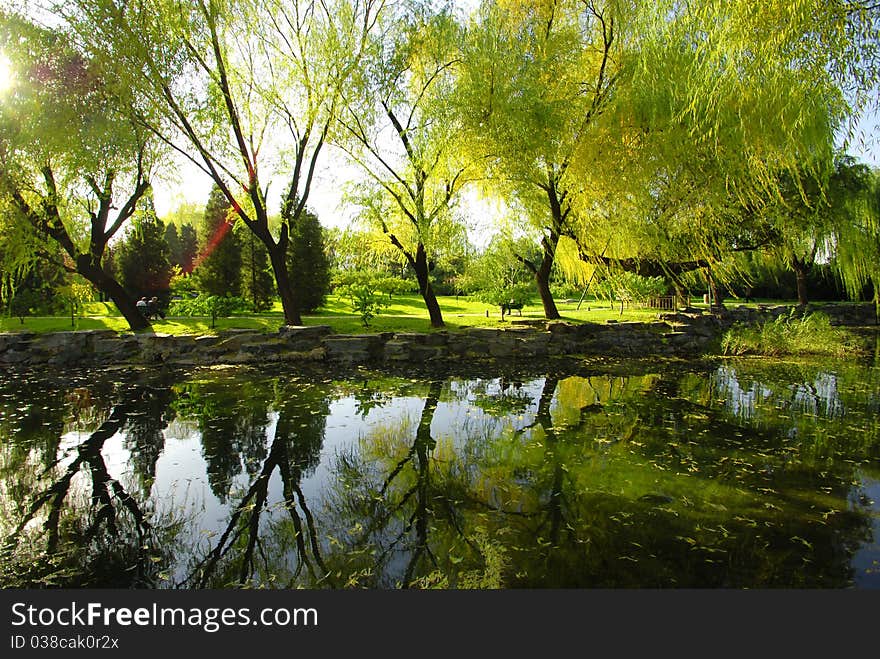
(507, 307)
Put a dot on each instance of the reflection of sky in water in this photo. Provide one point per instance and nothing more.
(820, 397)
(741, 402)
(182, 490)
(181, 484)
(463, 416)
(115, 455)
(181, 487)
(462, 419)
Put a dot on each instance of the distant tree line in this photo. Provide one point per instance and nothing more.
(190, 255)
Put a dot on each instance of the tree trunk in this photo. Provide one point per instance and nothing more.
(801, 271)
(543, 416)
(278, 259)
(542, 277)
(113, 290)
(253, 273)
(682, 298)
(433, 306)
(715, 300)
(420, 265)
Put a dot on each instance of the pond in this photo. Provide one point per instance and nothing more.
(717, 474)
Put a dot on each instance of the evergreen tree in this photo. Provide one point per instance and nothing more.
(181, 234)
(258, 284)
(142, 259)
(218, 266)
(183, 246)
(172, 239)
(308, 262)
(189, 247)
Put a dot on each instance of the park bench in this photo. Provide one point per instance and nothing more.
(508, 307)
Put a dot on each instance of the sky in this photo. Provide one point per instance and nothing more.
(193, 186)
(867, 146)
(325, 198)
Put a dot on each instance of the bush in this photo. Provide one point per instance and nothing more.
(521, 293)
(367, 291)
(215, 306)
(566, 290)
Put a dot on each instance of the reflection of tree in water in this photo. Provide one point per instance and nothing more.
(612, 485)
(94, 530)
(418, 460)
(667, 491)
(815, 394)
(383, 517)
(32, 422)
(399, 510)
(369, 395)
(35, 414)
(416, 513)
(798, 407)
(279, 549)
(302, 420)
(549, 506)
(144, 435)
(499, 397)
(232, 412)
(619, 481)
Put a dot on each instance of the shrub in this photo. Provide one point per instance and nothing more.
(498, 295)
(367, 291)
(215, 306)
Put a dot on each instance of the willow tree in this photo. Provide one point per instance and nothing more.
(74, 162)
(713, 116)
(538, 77)
(245, 89)
(20, 253)
(815, 216)
(404, 132)
(857, 241)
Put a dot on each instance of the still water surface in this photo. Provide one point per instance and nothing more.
(730, 474)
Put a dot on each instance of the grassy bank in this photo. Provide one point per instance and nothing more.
(405, 313)
(810, 334)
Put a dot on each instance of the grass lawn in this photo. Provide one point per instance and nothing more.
(405, 313)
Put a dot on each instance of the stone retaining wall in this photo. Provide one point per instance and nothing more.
(684, 333)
